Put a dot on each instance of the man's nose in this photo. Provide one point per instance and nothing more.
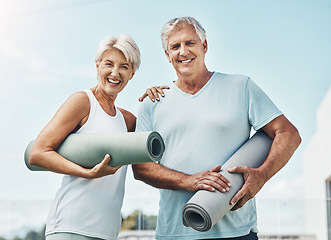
(183, 50)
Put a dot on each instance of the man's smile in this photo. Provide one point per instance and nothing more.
(186, 61)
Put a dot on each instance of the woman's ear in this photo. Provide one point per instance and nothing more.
(132, 75)
(168, 55)
(97, 64)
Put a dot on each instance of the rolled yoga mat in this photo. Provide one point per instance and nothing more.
(206, 208)
(87, 150)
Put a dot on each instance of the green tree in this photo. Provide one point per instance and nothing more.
(137, 220)
(32, 235)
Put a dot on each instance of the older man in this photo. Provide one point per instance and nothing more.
(204, 118)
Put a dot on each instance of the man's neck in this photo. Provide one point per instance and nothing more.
(193, 84)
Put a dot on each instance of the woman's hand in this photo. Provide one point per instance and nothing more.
(153, 93)
(102, 169)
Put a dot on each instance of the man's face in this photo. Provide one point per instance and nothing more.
(185, 51)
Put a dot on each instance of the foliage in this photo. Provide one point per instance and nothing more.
(135, 221)
(31, 235)
(138, 220)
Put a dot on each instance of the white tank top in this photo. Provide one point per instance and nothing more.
(91, 207)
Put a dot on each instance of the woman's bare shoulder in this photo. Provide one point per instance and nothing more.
(130, 119)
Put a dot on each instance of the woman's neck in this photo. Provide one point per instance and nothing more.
(106, 101)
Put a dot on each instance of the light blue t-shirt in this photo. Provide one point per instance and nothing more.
(201, 131)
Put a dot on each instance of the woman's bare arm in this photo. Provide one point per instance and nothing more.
(72, 114)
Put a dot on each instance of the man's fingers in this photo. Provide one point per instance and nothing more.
(213, 185)
(220, 186)
(238, 205)
(238, 169)
(217, 181)
(216, 168)
(241, 202)
(219, 178)
(240, 198)
(240, 194)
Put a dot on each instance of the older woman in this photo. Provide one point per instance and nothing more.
(88, 204)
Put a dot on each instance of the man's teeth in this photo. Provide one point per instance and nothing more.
(187, 61)
(113, 81)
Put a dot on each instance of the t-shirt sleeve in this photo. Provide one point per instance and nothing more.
(144, 117)
(261, 109)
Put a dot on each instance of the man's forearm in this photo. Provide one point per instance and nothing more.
(284, 144)
(159, 176)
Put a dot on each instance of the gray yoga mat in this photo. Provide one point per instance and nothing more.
(206, 208)
(87, 150)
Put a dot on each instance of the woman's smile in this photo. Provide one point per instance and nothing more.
(113, 81)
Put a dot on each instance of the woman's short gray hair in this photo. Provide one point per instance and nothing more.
(123, 43)
(176, 22)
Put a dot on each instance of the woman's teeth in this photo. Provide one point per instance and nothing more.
(113, 81)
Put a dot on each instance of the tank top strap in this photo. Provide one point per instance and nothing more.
(100, 121)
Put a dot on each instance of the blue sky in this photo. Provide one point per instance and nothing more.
(47, 51)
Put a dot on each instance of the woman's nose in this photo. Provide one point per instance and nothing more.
(115, 72)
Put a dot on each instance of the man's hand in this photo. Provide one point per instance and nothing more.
(286, 139)
(254, 181)
(102, 169)
(153, 93)
(210, 180)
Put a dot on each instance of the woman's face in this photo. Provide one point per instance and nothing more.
(114, 71)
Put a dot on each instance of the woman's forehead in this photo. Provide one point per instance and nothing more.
(113, 54)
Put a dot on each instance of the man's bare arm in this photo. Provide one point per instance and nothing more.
(160, 176)
(286, 140)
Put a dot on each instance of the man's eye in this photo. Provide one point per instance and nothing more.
(190, 43)
(175, 47)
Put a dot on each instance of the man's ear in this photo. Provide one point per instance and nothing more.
(205, 46)
(168, 55)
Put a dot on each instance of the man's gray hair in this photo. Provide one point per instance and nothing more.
(123, 43)
(176, 22)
